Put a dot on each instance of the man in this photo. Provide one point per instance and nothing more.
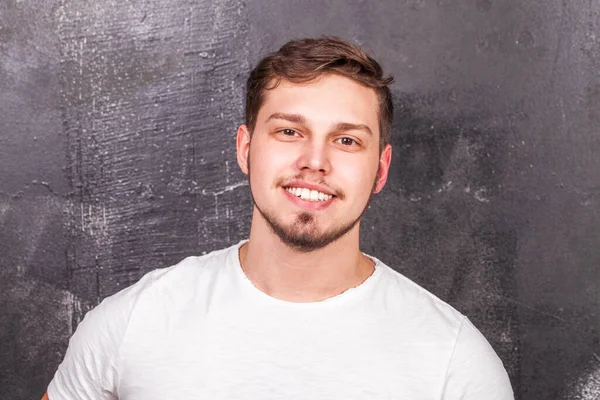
(297, 311)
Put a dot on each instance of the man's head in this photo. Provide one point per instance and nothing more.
(315, 145)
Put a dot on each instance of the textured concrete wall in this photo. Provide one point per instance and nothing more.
(117, 156)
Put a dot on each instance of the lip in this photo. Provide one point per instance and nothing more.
(310, 186)
(306, 204)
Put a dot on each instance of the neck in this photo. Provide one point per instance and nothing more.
(291, 275)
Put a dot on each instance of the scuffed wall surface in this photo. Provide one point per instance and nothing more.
(117, 157)
(36, 309)
(151, 98)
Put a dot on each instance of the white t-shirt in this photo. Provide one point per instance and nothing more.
(202, 330)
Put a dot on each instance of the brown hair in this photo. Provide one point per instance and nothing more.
(304, 60)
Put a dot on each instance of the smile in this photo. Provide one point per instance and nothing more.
(309, 195)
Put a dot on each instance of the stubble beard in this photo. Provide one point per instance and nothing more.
(303, 234)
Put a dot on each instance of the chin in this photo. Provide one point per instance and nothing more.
(304, 233)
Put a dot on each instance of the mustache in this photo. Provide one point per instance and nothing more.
(338, 192)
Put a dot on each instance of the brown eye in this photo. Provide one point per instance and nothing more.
(346, 141)
(289, 132)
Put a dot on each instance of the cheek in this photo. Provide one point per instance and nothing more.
(358, 176)
(267, 164)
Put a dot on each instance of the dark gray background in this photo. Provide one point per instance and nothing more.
(117, 127)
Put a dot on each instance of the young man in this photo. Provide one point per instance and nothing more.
(297, 311)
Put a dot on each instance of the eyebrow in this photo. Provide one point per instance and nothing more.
(340, 126)
(347, 126)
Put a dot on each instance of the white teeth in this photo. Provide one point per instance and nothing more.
(310, 195)
(305, 195)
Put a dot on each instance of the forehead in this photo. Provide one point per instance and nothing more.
(329, 98)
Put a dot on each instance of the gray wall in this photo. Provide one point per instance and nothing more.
(117, 157)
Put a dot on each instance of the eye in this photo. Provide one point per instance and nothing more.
(289, 132)
(347, 141)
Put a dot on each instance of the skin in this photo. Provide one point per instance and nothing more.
(316, 149)
(324, 133)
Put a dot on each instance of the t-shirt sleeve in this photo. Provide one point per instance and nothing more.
(475, 372)
(89, 370)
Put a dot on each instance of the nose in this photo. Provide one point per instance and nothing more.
(314, 157)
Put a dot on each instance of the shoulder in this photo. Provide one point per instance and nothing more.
(179, 277)
(93, 355)
(182, 282)
(406, 298)
(473, 370)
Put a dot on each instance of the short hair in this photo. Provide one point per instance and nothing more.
(304, 60)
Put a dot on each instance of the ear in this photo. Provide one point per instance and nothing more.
(243, 147)
(384, 166)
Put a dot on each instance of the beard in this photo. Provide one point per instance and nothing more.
(303, 234)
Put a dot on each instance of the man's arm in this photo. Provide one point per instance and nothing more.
(475, 371)
(89, 369)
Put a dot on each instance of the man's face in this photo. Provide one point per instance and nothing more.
(313, 159)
